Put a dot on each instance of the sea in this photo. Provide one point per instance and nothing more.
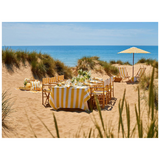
(69, 55)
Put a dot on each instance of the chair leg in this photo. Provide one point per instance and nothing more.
(47, 98)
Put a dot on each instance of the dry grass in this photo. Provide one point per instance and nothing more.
(152, 62)
(119, 62)
(109, 69)
(41, 64)
(86, 63)
(6, 112)
(61, 69)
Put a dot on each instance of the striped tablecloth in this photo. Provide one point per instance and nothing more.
(69, 97)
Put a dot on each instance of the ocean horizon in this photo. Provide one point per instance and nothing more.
(69, 54)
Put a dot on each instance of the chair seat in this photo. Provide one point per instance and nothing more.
(47, 90)
(100, 92)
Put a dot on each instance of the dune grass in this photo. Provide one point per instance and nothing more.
(119, 62)
(152, 62)
(6, 112)
(9, 58)
(86, 63)
(61, 69)
(41, 64)
(109, 69)
(144, 84)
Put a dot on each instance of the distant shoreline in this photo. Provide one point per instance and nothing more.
(69, 54)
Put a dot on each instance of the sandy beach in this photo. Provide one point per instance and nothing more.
(68, 122)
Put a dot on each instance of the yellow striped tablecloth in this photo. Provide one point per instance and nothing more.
(69, 97)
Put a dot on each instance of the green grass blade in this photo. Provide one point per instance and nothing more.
(138, 122)
(89, 136)
(128, 119)
(139, 104)
(99, 111)
(99, 131)
(30, 124)
(56, 126)
(46, 127)
(119, 117)
(151, 92)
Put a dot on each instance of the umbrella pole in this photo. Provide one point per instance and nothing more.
(133, 68)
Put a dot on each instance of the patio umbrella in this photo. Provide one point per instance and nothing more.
(133, 50)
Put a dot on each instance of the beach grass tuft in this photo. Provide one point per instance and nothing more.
(41, 64)
(9, 58)
(109, 69)
(119, 62)
(152, 62)
(86, 63)
(61, 69)
(6, 112)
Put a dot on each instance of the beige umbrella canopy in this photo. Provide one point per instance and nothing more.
(133, 50)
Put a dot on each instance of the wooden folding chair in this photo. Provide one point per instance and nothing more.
(60, 78)
(46, 89)
(112, 86)
(101, 92)
(123, 73)
(53, 81)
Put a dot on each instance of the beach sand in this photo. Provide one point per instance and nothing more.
(69, 122)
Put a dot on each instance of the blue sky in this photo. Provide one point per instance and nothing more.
(79, 33)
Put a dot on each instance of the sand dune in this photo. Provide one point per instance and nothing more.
(68, 122)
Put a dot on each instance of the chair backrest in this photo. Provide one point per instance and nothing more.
(123, 72)
(45, 80)
(141, 72)
(53, 80)
(61, 78)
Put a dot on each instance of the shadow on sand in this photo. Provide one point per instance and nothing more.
(108, 107)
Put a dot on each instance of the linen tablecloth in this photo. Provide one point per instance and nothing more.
(69, 97)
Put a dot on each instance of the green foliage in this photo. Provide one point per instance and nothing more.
(86, 63)
(9, 57)
(21, 56)
(152, 62)
(109, 69)
(112, 62)
(144, 82)
(41, 64)
(142, 60)
(38, 69)
(25, 82)
(95, 58)
(119, 62)
(61, 69)
(49, 64)
(126, 63)
(32, 57)
(6, 112)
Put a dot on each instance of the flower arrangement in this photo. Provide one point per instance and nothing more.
(82, 76)
(25, 82)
